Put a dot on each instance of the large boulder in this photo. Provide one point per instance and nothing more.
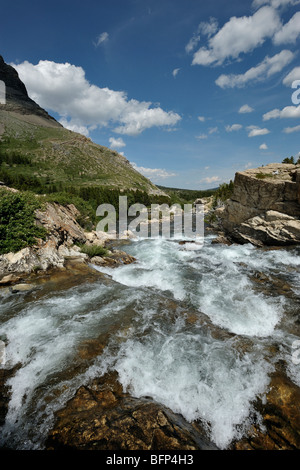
(264, 208)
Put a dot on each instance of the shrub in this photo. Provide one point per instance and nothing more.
(17, 221)
(93, 250)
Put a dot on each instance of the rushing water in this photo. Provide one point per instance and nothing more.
(193, 327)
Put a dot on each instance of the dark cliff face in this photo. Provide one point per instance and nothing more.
(17, 98)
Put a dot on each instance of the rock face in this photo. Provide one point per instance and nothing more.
(64, 234)
(265, 206)
(17, 99)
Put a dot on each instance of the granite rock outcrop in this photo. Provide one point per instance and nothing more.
(264, 208)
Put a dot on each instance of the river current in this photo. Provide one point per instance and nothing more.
(197, 328)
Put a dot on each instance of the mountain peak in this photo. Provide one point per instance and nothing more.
(17, 99)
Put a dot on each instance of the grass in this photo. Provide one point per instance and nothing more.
(262, 176)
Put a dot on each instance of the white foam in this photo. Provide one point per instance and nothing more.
(227, 297)
(197, 377)
(219, 285)
(157, 267)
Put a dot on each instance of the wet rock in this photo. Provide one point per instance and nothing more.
(116, 258)
(221, 239)
(281, 419)
(5, 391)
(102, 417)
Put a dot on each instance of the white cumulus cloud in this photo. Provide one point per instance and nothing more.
(64, 89)
(289, 130)
(239, 35)
(245, 109)
(255, 131)
(287, 112)
(205, 28)
(211, 179)
(289, 32)
(154, 174)
(74, 127)
(116, 143)
(275, 3)
(292, 76)
(192, 44)
(268, 67)
(233, 127)
(263, 147)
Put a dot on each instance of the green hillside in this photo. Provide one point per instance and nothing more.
(49, 158)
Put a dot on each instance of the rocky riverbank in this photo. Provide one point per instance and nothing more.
(63, 242)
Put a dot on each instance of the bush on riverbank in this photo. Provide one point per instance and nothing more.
(17, 221)
(93, 250)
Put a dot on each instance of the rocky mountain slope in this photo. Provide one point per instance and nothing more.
(264, 208)
(55, 155)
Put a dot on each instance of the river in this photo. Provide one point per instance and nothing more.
(197, 328)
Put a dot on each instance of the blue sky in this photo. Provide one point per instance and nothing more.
(189, 91)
